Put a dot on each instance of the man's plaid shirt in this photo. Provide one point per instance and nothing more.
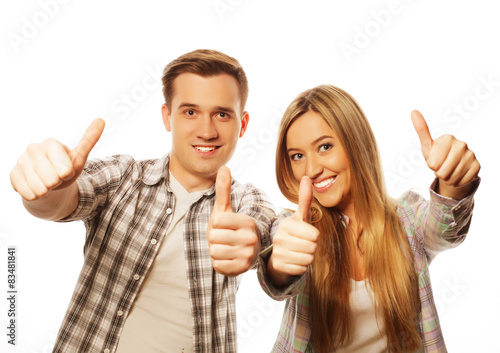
(126, 206)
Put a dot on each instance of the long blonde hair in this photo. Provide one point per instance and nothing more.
(387, 255)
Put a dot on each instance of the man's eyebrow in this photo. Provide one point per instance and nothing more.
(187, 105)
(225, 110)
(218, 108)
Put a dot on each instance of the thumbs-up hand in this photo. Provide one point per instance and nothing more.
(233, 238)
(295, 241)
(453, 163)
(50, 165)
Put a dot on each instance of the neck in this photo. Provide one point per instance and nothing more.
(191, 182)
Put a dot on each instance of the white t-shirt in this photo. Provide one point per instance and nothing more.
(368, 333)
(160, 319)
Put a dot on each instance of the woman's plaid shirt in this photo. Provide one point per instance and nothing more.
(431, 226)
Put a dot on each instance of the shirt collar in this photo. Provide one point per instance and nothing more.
(157, 171)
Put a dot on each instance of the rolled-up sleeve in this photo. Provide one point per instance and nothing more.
(441, 223)
(256, 204)
(96, 185)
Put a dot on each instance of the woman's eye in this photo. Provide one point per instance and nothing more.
(325, 147)
(297, 156)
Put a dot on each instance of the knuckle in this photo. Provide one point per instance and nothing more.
(461, 146)
(432, 164)
(32, 148)
(52, 183)
(248, 222)
(52, 143)
(41, 191)
(443, 176)
(252, 239)
(49, 141)
(309, 260)
(448, 138)
(29, 197)
(315, 235)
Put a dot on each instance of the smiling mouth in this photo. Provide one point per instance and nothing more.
(325, 183)
(206, 149)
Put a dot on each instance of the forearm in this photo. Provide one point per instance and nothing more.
(56, 205)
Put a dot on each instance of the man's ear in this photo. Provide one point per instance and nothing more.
(165, 113)
(244, 123)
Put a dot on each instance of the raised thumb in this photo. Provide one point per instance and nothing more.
(87, 143)
(223, 190)
(303, 212)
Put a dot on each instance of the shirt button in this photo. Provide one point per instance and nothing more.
(119, 313)
(199, 320)
(169, 210)
(106, 350)
(136, 277)
(153, 241)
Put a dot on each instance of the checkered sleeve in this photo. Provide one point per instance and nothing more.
(96, 185)
(256, 204)
(442, 222)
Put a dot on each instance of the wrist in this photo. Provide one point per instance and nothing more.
(454, 192)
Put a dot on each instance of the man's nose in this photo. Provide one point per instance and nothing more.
(206, 128)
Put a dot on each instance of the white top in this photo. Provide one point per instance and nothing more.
(160, 319)
(368, 334)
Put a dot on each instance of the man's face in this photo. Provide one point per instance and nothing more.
(206, 120)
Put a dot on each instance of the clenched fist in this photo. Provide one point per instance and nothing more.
(233, 238)
(50, 165)
(453, 163)
(295, 241)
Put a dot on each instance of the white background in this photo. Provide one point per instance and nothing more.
(65, 63)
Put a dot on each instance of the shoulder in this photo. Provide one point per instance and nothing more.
(109, 162)
(247, 190)
(125, 166)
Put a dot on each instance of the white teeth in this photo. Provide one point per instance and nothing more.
(324, 183)
(204, 149)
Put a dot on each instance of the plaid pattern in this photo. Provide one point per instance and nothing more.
(126, 206)
(432, 226)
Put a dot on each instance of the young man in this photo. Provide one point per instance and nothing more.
(157, 229)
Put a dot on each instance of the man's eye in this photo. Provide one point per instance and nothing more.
(190, 112)
(223, 115)
(296, 156)
(325, 147)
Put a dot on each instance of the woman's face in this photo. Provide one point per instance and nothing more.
(315, 150)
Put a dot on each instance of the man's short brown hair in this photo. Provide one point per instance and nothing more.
(205, 63)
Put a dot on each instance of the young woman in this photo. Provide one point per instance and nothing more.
(352, 262)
